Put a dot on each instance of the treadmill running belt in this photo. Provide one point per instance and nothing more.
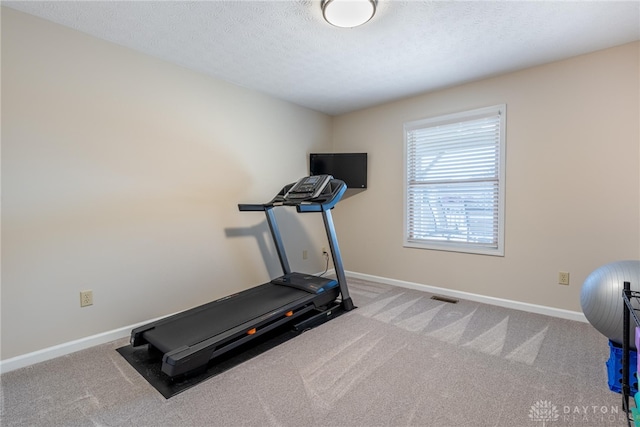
(201, 323)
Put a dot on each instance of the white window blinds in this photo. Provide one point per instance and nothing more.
(454, 198)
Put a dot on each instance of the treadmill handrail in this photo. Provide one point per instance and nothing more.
(331, 195)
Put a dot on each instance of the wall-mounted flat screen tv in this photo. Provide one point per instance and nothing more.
(348, 167)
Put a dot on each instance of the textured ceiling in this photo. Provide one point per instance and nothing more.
(285, 49)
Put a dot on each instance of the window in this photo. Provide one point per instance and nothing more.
(454, 182)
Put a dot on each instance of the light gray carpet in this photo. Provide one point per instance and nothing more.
(400, 359)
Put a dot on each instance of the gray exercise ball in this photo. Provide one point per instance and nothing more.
(601, 298)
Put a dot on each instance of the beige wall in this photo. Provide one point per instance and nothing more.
(573, 181)
(122, 174)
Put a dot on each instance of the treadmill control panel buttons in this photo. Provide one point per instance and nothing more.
(308, 187)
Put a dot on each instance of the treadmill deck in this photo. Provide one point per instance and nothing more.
(228, 314)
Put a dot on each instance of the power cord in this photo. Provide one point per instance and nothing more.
(326, 257)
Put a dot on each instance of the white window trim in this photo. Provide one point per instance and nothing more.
(460, 246)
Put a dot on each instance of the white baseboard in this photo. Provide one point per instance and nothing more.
(63, 349)
(517, 305)
(105, 337)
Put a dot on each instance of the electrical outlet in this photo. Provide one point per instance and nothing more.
(563, 278)
(324, 251)
(86, 298)
(305, 254)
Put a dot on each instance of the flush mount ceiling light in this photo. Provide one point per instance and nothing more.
(348, 13)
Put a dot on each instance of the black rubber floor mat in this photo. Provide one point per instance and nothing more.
(150, 367)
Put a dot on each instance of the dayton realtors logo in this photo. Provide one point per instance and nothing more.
(543, 411)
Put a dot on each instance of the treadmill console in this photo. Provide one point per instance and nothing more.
(308, 188)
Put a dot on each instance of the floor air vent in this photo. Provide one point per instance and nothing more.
(445, 299)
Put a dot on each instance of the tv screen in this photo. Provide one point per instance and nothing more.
(348, 167)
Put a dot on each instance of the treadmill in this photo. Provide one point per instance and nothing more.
(189, 340)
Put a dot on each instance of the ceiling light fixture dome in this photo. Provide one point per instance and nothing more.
(348, 13)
